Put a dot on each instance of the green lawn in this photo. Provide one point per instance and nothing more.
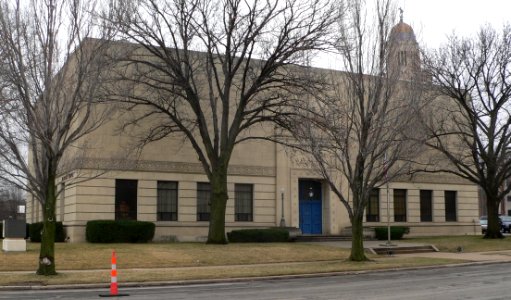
(470, 243)
(90, 263)
(83, 256)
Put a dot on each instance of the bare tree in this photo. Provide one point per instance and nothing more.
(48, 83)
(357, 134)
(472, 89)
(218, 69)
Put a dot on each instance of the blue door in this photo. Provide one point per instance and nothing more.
(310, 207)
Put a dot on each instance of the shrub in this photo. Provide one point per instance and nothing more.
(396, 232)
(34, 232)
(268, 235)
(119, 231)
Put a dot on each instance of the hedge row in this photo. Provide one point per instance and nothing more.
(396, 232)
(34, 232)
(269, 235)
(120, 231)
(99, 231)
(35, 229)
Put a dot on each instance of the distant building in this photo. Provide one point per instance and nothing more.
(12, 204)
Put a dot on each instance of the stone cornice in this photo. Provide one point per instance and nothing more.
(438, 178)
(168, 166)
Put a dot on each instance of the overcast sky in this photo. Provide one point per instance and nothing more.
(433, 20)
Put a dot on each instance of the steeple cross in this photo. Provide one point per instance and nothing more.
(401, 15)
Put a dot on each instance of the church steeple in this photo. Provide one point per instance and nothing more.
(404, 54)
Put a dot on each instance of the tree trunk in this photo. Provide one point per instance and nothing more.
(494, 227)
(357, 239)
(219, 198)
(47, 252)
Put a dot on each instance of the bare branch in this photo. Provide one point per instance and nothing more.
(473, 89)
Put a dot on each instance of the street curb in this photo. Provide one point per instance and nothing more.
(235, 280)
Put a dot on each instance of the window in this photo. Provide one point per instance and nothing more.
(167, 201)
(399, 205)
(309, 190)
(426, 197)
(126, 199)
(373, 206)
(450, 206)
(401, 56)
(243, 202)
(203, 201)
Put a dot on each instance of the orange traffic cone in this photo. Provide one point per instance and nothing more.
(114, 291)
(113, 276)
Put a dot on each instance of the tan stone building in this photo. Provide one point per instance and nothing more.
(165, 184)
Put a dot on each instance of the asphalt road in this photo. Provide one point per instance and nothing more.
(491, 281)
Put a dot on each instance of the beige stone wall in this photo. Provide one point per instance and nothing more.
(95, 199)
(467, 210)
(272, 169)
(112, 154)
(274, 172)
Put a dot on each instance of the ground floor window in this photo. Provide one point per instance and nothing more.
(203, 201)
(450, 206)
(426, 198)
(126, 199)
(373, 206)
(167, 201)
(399, 205)
(243, 202)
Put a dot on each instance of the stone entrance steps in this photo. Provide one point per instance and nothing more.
(384, 250)
(379, 249)
(322, 238)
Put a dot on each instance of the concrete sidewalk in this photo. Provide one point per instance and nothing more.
(490, 256)
(493, 256)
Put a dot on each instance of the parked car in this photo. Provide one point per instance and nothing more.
(483, 221)
(505, 223)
